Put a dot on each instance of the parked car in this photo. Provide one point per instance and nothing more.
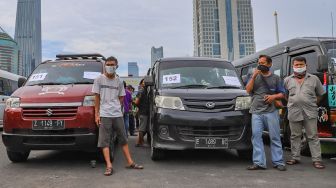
(197, 103)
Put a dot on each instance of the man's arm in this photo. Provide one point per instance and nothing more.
(97, 107)
(250, 84)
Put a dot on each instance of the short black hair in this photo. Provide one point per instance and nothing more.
(268, 58)
(124, 84)
(142, 80)
(299, 58)
(112, 58)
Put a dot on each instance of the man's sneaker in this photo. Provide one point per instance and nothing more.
(280, 167)
(255, 167)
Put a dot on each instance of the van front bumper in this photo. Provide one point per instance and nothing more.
(184, 126)
(18, 142)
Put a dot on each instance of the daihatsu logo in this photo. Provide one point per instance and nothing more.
(210, 105)
(49, 112)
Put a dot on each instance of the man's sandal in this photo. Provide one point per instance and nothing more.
(292, 162)
(108, 171)
(135, 166)
(318, 165)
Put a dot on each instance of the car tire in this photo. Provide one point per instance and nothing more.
(156, 154)
(245, 154)
(17, 157)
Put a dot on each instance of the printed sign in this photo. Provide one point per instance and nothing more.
(38, 77)
(91, 75)
(171, 79)
(231, 80)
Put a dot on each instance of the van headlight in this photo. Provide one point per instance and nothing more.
(89, 101)
(13, 102)
(174, 103)
(243, 103)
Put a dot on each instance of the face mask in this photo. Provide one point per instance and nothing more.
(263, 68)
(110, 69)
(300, 70)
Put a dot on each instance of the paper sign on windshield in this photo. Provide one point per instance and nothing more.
(171, 79)
(38, 77)
(91, 75)
(231, 80)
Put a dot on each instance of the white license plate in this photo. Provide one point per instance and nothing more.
(211, 143)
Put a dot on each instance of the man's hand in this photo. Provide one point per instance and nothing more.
(255, 73)
(97, 120)
(269, 99)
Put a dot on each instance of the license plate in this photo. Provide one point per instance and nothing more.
(48, 124)
(211, 143)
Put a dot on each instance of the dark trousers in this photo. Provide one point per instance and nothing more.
(131, 124)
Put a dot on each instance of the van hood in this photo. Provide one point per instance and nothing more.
(208, 94)
(53, 93)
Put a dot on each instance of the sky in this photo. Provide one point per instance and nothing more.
(127, 29)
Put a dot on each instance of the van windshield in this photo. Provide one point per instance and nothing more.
(198, 74)
(57, 73)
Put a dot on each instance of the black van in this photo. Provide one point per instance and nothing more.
(197, 103)
(321, 55)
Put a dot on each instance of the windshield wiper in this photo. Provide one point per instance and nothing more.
(72, 83)
(191, 86)
(45, 83)
(223, 87)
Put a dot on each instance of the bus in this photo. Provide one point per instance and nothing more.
(8, 84)
(320, 53)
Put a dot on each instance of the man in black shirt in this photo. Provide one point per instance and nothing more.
(142, 102)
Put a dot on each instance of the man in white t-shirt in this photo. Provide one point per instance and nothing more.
(109, 93)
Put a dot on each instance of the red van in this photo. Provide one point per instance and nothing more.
(54, 108)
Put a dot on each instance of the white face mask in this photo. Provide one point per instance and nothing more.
(300, 70)
(110, 69)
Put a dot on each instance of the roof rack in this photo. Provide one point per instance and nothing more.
(79, 56)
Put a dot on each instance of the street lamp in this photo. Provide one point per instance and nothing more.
(276, 26)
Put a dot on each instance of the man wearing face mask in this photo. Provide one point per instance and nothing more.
(109, 93)
(304, 92)
(265, 87)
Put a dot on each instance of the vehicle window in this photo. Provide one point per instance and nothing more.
(311, 58)
(197, 74)
(65, 73)
(5, 87)
(331, 52)
(247, 72)
(277, 65)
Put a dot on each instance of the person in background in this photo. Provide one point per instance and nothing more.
(127, 107)
(304, 93)
(142, 102)
(131, 116)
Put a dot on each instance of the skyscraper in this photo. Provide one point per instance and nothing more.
(28, 34)
(156, 53)
(133, 69)
(9, 53)
(223, 28)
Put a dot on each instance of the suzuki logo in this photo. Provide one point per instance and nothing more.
(210, 105)
(49, 112)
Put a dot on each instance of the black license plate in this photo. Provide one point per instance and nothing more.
(48, 124)
(211, 143)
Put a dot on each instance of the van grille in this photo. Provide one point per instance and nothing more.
(189, 133)
(52, 132)
(200, 105)
(60, 112)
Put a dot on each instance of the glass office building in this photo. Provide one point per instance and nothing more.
(156, 53)
(9, 53)
(133, 69)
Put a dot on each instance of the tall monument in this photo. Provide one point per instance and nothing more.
(28, 34)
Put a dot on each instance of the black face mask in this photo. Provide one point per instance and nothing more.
(263, 68)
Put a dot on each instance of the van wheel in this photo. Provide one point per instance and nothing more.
(17, 157)
(156, 154)
(245, 154)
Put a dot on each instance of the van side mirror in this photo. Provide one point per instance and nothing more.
(322, 63)
(21, 81)
(148, 81)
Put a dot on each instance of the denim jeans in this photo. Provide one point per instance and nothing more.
(126, 122)
(271, 122)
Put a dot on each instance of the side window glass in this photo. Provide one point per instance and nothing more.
(2, 87)
(311, 58)
(276, 65)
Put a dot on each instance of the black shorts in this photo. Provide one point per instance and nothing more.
(109, 125)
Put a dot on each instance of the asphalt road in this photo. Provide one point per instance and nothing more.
(181, 169)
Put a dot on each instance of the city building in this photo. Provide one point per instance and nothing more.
(9, 53)
(133, 69)
(223, 28)
(28, 34)
(156, 53)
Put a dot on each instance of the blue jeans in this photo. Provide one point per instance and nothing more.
(126, 122)
(259, 123)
